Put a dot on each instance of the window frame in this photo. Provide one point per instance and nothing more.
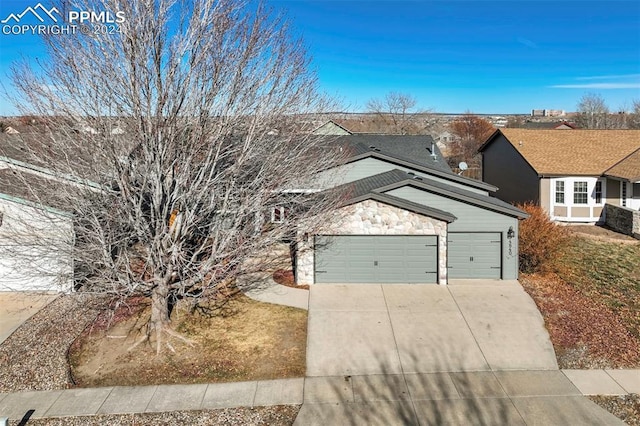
(558, 192)
(597, 192)
(580, 191)
(624, 194)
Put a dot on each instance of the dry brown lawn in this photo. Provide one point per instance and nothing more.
(244, 340)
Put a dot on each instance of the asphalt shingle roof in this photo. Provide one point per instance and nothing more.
(32, 188)
(575, 152)
(380, 183)
(628, 168)
(415, 149)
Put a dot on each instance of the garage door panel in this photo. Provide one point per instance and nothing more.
(376, 259)
(474, 255)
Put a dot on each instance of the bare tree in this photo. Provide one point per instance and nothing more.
(396, 108)
(593, 112)
(634, 117)
(470, 132)
(178, 204)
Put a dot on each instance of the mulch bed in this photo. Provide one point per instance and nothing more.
(585, 333)
(625, 407)
(278, 415)
(34, 357)
(286, 278)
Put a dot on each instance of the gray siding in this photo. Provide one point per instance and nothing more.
(471, 219)
(372, 166)
(474, 255)
(504, 167)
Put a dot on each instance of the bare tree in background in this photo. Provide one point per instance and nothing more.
(176, 203)
(395, 108)
(470, 133)
(634, 118)
(593, 112)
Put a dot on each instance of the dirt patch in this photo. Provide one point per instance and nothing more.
(244, 340)
(601, 233)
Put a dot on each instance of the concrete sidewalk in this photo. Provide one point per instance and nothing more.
(18, 306)
(149, 399)
(524, 397)
(462, 398)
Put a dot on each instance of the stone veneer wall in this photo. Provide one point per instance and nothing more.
(623, 219)
(371, 217)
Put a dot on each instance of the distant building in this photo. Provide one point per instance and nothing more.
(548, 113)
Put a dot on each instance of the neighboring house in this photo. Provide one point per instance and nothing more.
(572, 175)
(34, 230)
(407, 218)
(35, 227)
(331, 128)
(549, 125)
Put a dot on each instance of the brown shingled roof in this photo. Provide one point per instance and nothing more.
(628, 168)
(578, 152)
(38, 190)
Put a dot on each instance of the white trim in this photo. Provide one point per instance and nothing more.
(569, 204)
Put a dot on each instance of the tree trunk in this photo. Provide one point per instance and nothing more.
(159, 321)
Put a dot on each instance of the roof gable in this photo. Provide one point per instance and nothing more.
(628, 168)
(578, 152)
(331, 128)
(383, 182)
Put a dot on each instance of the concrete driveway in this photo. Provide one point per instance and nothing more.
(17, 307)
(469, 325)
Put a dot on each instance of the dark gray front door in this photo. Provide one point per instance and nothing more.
(376, 259)
(474, 255)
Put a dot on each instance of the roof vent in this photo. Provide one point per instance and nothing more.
(411, 173)
(417, 178)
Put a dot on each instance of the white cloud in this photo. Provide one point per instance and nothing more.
(611, 77)
(602, 86)
(527, 42)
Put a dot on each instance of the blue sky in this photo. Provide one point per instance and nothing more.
(453, 56)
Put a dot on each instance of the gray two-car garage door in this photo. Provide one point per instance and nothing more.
(474, 255)
(376, 259)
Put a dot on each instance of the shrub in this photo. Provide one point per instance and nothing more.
(541, 240)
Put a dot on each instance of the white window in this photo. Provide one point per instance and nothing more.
(560, 191)
(597, 192)
(624, 194)
(277, 214)
(580, 192)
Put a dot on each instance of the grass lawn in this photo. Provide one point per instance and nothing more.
(591, 303)
(245, 340)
